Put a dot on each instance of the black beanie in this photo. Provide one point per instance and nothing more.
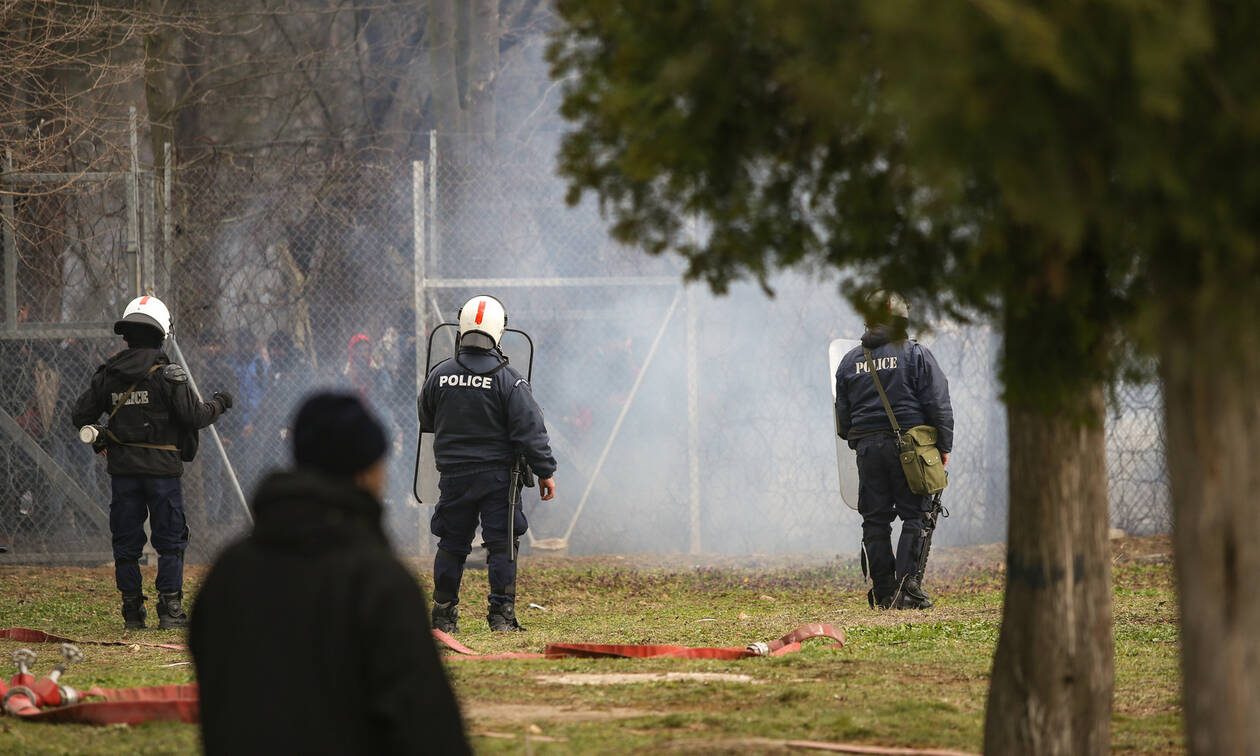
(336, 434)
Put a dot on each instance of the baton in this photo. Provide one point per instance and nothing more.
(521, 477)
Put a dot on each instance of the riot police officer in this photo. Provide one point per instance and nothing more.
(483, 417)
(150, 432)
(918, 394)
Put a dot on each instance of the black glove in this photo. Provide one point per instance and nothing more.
(224, 399)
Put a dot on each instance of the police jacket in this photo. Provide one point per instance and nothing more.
(481, 417)
(914, 383)
(316, 589)
(160, 409)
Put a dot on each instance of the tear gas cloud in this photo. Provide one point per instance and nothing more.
(680, 420)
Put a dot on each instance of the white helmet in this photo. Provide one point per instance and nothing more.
(483, 315)
(147, 311)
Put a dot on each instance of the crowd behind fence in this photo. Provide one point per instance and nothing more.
(681, 422)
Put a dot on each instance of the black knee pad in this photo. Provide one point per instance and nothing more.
(179, 554)
(501, 547)
(448, 556)
(125, 562)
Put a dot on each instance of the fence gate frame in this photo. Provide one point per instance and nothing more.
(138, 250)
(142, 274)
(425, 248)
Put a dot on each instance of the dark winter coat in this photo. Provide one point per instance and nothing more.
(160, 410)
(481, 418)
(310, 637)
(915, 385)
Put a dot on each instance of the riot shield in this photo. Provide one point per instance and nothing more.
(515, 345)
(846, 460)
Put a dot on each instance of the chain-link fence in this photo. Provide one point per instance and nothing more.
(681, 421)
(67, 238)
(287, 277)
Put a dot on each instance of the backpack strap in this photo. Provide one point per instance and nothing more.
(870, 365)
(130, 390)
(123, 400)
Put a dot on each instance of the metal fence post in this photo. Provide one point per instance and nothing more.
(433, 207)
(693, 421)
(133, 207)
(168, 165)
(418, 242)
(148, 233)
(10, 249)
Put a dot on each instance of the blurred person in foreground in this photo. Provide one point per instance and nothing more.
(150, 431)
(890, 364)
(314, 599)
(486, 426)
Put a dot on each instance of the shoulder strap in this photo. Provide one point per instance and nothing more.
(123, 400)
(130, 390)
(870, 365)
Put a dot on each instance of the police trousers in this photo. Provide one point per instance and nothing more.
(463, 501)
(882, 495)
(161, 501)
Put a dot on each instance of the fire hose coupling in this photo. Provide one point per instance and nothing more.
(23, 658)
(20, 701)
(759, 648)
(49, 689)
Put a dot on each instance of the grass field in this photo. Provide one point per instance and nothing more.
(904, 679)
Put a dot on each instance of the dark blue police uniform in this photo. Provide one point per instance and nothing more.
(144, 460)
(482, 414)
(918, 392)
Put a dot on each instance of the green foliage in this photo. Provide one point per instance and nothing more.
(741, 115)
(1121, 131)
(1069, 170)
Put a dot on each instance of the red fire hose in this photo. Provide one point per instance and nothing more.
(785, 645)
(180, 702)
(128, 706)
(27, 635)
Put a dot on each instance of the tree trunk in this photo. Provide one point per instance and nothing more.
(159, 90)
(1051, 687)
(483, 70)
(443, 53)
(1211, 373)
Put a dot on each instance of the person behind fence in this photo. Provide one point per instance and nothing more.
(149, 432)
(483, 417)
(289, 377)
(315, 589)
(917, 395)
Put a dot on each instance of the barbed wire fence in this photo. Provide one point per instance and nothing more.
(682, 422)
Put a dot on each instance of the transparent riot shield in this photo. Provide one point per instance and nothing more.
(846, 460)
(515, 345)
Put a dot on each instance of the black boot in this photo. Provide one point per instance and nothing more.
(911, 595)
(882, 595)
(133, 611)
(446, 617)
(911, 556)
(502, 618)
(877, 560)
(171, 611)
